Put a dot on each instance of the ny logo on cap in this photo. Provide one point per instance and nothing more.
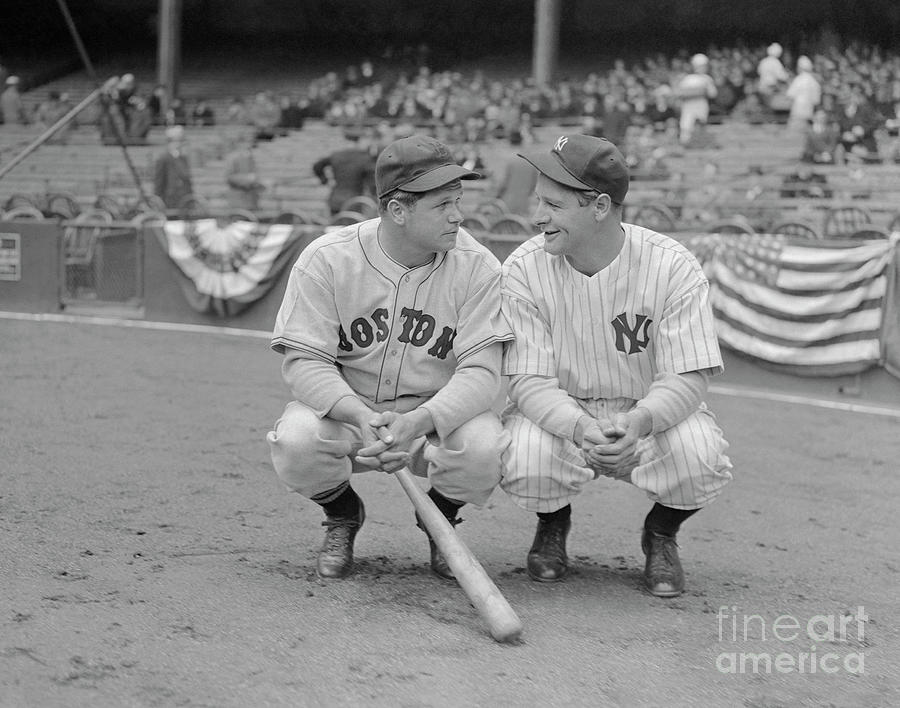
(560, 143)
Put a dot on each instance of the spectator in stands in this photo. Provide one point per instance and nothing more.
(264, 115)
(752, 109)
(517, 178)
(237, 113)
(291, 113)
(172, 180)
(821, 140)
(11, 104)
(661, 113)
(616, 118)
(176, 113)
(123, 101)
(805, 94)
(350, 171)
(141, 121)
(469, 156)
(772, 76)
(203, 114)
(701, 204)
(858, 122)
(241, 175)
(49, 112)
(155, 103)
(695, 91)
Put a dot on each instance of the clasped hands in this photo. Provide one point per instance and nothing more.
(387, 438)
(609, 445)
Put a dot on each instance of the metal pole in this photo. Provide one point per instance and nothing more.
(73, 30)
(546, 40)
(51, 131)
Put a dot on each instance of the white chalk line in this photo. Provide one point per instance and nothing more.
(733, 391)
(136, 324)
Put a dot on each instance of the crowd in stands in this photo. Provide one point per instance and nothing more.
(857, 89)
(843, 104)
(637, 105)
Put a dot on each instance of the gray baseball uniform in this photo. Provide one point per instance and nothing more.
(362, 324)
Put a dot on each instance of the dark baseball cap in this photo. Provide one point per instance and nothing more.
(584, 162)
(417, 164)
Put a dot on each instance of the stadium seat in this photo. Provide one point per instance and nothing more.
(654, 216)
(110, 204)
(798, 229)
(844, 221)
(63, 205)
(295, 218)
(23, 212)
(737, 225)
(476, 223)
(362, 204)
(512, 224)
(20, 199)
(491, 207)
(343, 218)
(242, 215)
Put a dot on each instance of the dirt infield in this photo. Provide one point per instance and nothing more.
(150, 558)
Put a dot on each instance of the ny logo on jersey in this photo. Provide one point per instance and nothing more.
(560, 143)
(638, 336)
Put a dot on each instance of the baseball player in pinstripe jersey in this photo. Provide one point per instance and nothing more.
(614, 344)
(392, 339)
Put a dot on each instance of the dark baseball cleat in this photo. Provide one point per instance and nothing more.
(439, 565)
(547, 559)
(663, 574)
(336, 555)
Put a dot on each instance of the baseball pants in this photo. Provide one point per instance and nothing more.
(684, 467)
(313, 455)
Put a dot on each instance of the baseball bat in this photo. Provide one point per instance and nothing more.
(503, 623)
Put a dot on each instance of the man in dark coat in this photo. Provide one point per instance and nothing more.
(172, 174)
(351, 172)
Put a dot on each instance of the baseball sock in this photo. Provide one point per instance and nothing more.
(558, 515)
(666, 520)
(448, 507)
(345, 505)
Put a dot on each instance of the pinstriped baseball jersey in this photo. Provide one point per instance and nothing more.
(648, 312)
(393, 331)
(605, 337)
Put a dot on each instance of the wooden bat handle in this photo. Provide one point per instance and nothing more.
(502, 621)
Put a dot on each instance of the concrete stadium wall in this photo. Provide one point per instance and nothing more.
(164, 300)
(40, 267)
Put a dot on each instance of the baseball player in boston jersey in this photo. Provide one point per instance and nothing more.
(614, 344)
(392, 339)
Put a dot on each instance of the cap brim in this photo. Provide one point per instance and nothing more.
(547, 164)
(438, 177)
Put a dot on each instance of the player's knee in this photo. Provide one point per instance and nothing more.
(469, 466)
(701, 446)
(300, 455)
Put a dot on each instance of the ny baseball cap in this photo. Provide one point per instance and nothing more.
(584, 162)
(417, 164)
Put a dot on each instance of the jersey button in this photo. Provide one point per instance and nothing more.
(406, 278)
(388, 382)
(394, 352)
